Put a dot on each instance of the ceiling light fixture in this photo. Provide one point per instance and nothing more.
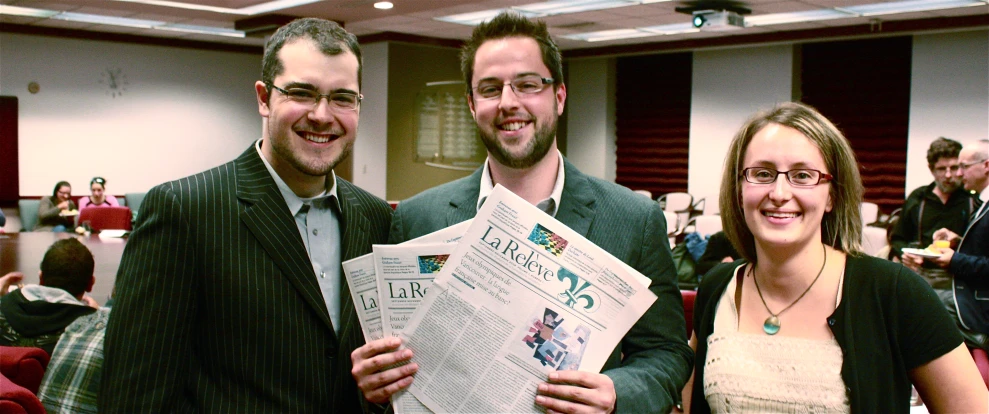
(784, 18)
(910, 6)
(798, 17)
(207, 30)
(383, 5)
(118, 21)
(260, 8)
(544, 9)
(26, 12)
(107, 20)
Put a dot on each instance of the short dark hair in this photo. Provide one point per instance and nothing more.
(58, 185)
(512, 24)
(328, 35)
(841, 228)
(942, 148)
(68, 265)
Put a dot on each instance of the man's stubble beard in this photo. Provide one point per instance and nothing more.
(282, 149)
(535, 150)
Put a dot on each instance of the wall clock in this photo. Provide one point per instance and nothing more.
(115, 81)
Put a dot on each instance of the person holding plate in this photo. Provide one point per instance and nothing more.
(806, 322)
(57, 213)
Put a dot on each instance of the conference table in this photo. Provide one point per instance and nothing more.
(22, 252)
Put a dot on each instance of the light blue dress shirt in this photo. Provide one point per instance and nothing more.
(318, 220)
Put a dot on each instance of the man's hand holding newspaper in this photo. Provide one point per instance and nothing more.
(577, 392)
(371, 362)
(378, 386)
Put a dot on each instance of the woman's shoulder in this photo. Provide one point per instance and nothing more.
(717, 278)
(865, 273)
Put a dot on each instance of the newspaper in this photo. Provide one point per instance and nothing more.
(522, 295)
(404, 279)
(405, 275)
(363, 281)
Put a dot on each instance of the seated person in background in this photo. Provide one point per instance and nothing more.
(36, 315)
(719, 250)
(940, 204)
(807, 322)
(72, 379)
(52, 210)
(98, 198)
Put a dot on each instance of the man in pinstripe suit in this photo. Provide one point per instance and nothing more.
(230, 296)
(516, 94)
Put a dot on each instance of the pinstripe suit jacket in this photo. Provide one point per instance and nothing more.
(657, 361)
(218, 308)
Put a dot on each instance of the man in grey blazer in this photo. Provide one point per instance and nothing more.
(230, 295)
(516, 94)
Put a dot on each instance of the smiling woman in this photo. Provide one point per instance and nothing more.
(805, 296)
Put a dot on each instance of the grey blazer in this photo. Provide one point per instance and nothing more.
(217, 306)
(657, 360)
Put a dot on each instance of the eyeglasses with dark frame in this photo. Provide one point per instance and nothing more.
(338, 100)
(525, 85)
(803, 177)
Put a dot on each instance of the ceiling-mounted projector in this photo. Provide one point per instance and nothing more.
(718, 20)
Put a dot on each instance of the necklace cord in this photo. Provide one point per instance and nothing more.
(819, 273)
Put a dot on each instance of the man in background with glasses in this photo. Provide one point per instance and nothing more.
(229, 296)
(940, 204)
(967, 260)
(516, 94)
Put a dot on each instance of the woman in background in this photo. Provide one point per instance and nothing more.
(98, 198)
(806, 322)
(55, 213)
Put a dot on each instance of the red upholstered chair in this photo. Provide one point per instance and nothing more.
(982, 362)
(24, 366)
(104, 218)
(15, 399)
(688, 309)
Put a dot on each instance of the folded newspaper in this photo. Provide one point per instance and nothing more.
(403, 273)
(520, 296)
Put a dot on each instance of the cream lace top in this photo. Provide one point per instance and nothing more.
(762, 373)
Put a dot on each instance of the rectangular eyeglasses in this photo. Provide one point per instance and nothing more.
(799, 178)
(345, 101)
(525, 85)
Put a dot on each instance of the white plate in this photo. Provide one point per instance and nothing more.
(920, 252)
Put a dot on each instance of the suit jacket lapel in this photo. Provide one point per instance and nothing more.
(463, 200)
(267, 217)
(981, 213)
(355, 230)
(577, 202)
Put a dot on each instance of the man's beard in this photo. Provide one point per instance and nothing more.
(948, 187)
(534, 151)
(316, 168)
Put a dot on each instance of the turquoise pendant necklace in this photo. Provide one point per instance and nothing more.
(772, 324)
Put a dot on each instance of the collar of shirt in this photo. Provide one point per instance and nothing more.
(293, 201)
(552, 203)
